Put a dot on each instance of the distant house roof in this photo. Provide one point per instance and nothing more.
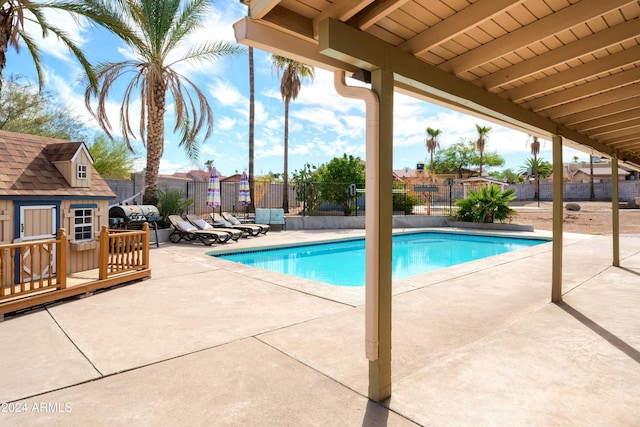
(231, 178)
(194, 174)
(27, 167)
(602, 171)
(476, 180)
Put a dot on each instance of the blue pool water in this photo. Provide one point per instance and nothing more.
(342, 263)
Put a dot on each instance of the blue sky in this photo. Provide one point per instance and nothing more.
(322, 125)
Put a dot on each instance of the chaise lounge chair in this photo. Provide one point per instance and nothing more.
(183, 230)
(235, 221)
(219, 221)
(236, 233)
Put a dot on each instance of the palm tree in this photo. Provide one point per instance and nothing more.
(535, 150)
(292, 72)
(432, 143)
(483, 135)
(252, 108)
(543, 167)
(14, 13)
(155, 31)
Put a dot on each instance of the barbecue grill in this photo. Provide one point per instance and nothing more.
(129, 217)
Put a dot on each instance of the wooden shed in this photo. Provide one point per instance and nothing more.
(47, 184)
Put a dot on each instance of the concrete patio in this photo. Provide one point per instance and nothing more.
(210, 342)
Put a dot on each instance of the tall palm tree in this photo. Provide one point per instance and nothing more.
(252, 109)
(155, 32)
(292, 73)
(535, 150)
(432, 143)
(14, 13)
(483, 135)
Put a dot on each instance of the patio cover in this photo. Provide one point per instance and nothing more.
(562, 70)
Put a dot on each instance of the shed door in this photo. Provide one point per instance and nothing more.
(38, 223)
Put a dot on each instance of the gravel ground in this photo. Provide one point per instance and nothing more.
(592, 218)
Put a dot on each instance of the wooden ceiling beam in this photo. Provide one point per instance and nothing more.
(374, 12)
(604, 98)
(469, 17)
(590, 89)
(609, 120)
(290, 21)
(575, 75)
(344, 43)
(622, 143)
(259, 8)
(554, 23)
(600, 111)
(630, 131)
(584, 46)
(265, 37)
(341, 10)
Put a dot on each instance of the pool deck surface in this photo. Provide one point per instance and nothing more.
(208, 342)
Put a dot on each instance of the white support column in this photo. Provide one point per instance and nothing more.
(558, 216)
(615, 206)
(379, 178)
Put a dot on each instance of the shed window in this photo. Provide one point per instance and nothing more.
(83, 225)
(82, 171)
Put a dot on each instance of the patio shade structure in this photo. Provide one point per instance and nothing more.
(213, 189)
(562, 70)
(244, 197)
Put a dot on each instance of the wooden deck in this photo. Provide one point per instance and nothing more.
(124, 257)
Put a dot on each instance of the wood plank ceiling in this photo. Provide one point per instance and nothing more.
(573, 62)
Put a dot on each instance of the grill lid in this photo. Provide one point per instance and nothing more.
(135, 213)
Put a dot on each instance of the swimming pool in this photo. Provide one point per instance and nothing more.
(342, 263)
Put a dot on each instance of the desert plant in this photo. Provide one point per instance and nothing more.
(172, 201)
(486, 205)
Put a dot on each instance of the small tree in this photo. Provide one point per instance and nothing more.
(337, 176)
(306, 182)
(26, 110)
(462, 155)
(486, 205)
(111, 158)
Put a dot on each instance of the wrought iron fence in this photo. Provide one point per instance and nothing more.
(315, 198)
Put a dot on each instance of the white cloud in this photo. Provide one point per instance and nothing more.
(225, 123)
(227, 94)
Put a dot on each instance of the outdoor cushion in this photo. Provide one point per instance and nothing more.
(186, 226)
(263, 215)
(221, 222)
(202, 224)
(276, 216)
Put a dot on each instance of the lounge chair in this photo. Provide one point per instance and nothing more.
(183, 230)
(236, 233)
(219, 221)
(235, 221)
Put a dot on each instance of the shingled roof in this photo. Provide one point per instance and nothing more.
(27, 169)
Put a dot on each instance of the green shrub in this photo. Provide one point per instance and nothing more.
(405, 203)
(486, 205)
(172, 202)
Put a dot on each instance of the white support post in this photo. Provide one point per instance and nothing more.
(558, 206)
(615, 206)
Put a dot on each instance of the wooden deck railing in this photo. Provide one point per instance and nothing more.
(27, 277)
(35, 262)
(123, 250)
